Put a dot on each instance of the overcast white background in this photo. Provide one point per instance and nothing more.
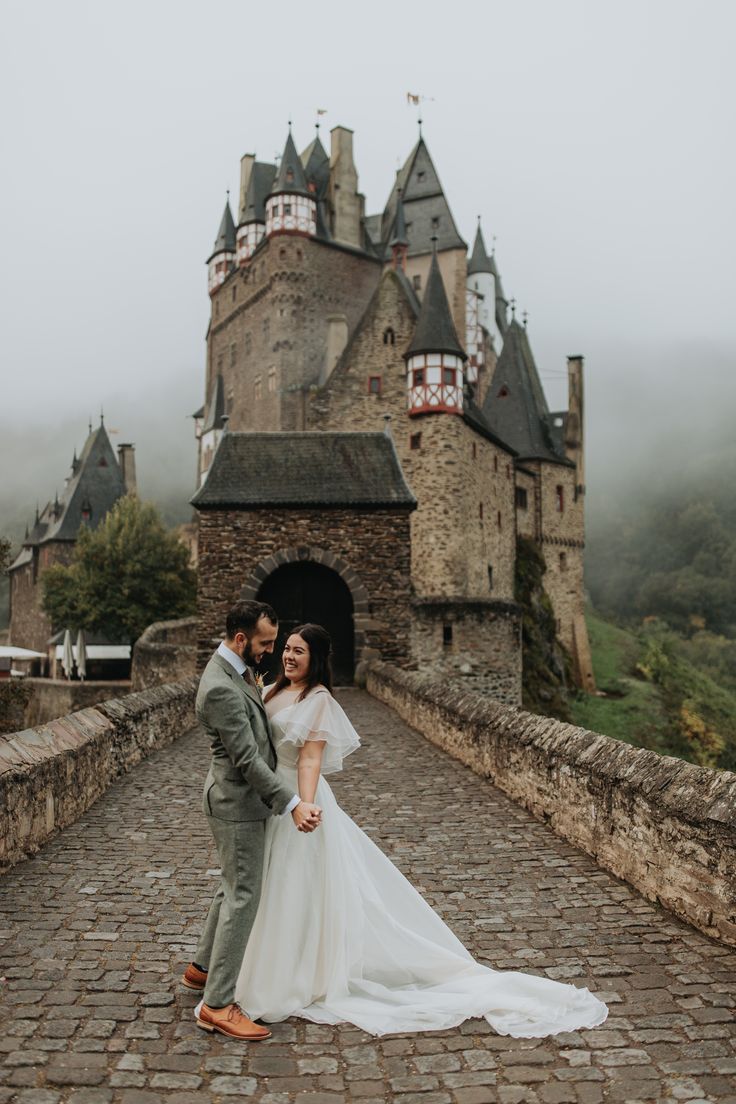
(594, 138)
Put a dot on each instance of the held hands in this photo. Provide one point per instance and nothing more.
(306, 816)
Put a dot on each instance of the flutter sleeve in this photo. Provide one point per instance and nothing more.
(320, 717)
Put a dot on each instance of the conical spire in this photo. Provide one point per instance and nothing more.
(291, 176)
(435, 331)
(479, 260)
(399, 236)
(225, 240)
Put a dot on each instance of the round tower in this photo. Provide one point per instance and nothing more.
(291, 208)
(252, 226)
(480, 304)
(435, 358)
(222, 257)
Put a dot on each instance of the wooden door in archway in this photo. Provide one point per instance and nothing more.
(306, 591)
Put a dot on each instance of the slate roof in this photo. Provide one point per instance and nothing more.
(435, 331)
(316, 166)
(251, 470)
(424, 201)
(290, 176)
(521, 417)
(480, 261)
(399, 235)
(96, 482)
(262, 176)
(225, 240)
(215, 407)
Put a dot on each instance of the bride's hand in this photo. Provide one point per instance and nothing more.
(306, 816)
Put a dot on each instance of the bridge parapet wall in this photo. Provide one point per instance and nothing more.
(663, 825)
(50, 775)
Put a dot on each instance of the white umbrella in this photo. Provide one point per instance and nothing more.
(81, 655)
(67, 655)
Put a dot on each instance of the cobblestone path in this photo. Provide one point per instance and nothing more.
(96, 930)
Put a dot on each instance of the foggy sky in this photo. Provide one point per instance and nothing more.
(594, 139)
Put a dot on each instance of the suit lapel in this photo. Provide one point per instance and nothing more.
(240, 682)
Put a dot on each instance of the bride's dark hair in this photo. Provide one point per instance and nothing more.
(320, 673)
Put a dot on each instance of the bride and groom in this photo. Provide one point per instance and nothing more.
(311, 919)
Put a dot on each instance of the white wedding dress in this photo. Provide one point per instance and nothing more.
(341, 935)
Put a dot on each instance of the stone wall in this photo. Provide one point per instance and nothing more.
(165, 652)
(665, 826)
(29, 625)
(477, 642)
(50, 698)
(238, 547)
(50, 775)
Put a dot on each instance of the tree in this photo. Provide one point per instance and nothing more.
(125, 574)
(4, 555)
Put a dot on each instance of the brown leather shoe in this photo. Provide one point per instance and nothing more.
(194, 978)
(231, 1021)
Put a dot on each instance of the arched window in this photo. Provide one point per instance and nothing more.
(389, 337)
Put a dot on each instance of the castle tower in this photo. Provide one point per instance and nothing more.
(435, 358)
(223, 255)
(480, 301)
(291, 208)
(256, 181)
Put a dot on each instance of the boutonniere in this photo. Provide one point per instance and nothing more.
(260, 684)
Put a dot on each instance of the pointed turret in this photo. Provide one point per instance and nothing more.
(399, 241)
(479, 260)
(480, 300)
(426, 209)
(435, 357)
(223, 255)
(291, 208)
(253, 221)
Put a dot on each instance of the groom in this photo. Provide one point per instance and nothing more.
(241, 790)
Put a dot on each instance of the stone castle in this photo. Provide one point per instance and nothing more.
(375, 435)
(97, 479)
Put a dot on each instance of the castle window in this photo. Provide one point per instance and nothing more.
(287, 208)
(480, 511)
(560, 498)
(415, 441)
(258, 388)
(563, 561)
(421, 175)
(282, 252)
(233, 351)
(448, 376)
(266, 328)
(374, 385)
(508, 471)
(495, 463)
(272, 380)
(447, 635)
(475, 450)
(418, 377)
(417, 282)
(490, 577)
(498, 518)
(298, 254)
(521, 498)
(389, 337)
(102, 462)
(435, 222)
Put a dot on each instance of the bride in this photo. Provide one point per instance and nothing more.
(367, 949)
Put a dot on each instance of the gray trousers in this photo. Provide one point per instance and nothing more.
(232, 912)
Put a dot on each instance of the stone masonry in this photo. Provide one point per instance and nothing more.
(96, 930)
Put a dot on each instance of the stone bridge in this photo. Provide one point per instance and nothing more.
(97, 926)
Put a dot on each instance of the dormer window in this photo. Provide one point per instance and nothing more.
(421, 175)
(417, 282)
(290, 176)
(435, 222)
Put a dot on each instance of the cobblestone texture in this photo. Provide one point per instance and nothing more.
(96, 929)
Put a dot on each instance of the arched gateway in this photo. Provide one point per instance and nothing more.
(316, 524)
(312, 584)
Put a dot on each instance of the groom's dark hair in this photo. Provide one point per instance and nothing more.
(244, 616)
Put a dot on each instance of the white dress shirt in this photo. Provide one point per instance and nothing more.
(239, 664)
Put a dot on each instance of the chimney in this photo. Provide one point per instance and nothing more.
(343, 190)
(246, 168)
(126, 461)
(574, 437)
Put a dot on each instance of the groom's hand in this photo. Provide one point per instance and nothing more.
(306, 816)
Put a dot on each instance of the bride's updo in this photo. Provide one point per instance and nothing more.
(320, 649)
